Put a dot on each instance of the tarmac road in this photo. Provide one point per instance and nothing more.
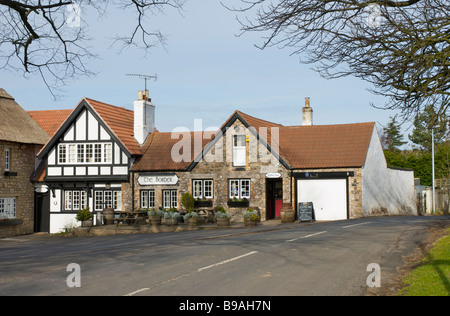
(329, 258)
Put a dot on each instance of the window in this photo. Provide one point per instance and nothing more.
(107, 155)
(203, 189)
(62, 153)
(239, 150)
(170, 199)
(80, 153)
(239, 188)
(147, 199)
(98, 153)
(89, 153)
(85, 153)
(75, 200)
(7, 159)
(8, 208)
(72, 153)
(106, 199)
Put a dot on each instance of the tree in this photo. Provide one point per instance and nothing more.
(423, 123)
(392, 138)
(49, 38)
(401, 47)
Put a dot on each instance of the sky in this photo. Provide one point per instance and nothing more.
(204, 72)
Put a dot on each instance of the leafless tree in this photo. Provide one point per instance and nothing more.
(50, 37)
(401, 47)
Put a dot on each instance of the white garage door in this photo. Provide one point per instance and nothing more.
(329, 197)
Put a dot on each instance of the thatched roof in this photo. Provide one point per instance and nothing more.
(16, 125)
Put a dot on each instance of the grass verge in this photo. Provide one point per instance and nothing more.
(432, 276)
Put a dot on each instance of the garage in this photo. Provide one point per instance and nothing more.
(329, 197)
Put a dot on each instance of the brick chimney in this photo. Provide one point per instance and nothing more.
(144, 117)
(307, 113)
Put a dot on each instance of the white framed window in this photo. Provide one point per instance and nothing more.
(170, 199)
(147, 199)
(239, 150)
(203, 189)
(62, 153)
(239, 188)
(75, 200)
(7, 159)
(8, 208)
(85, 153)
(106, 199)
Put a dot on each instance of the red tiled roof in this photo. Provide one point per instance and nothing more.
(325, 146)
(157, 151)
(50, 120)
(301, 147)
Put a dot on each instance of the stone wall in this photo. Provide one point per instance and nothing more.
(218, 166)
(19, 187)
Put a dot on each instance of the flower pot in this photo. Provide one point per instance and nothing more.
(88, 223)
(203, 203)
(223, 222)
(155, 220)
(238, 203)
(171, 221)
(191, 222)
(250, 223)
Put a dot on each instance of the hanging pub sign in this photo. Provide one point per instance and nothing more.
(158, 179)
(305, 212)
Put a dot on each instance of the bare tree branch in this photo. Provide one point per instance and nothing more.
(401, 47)
(49, 38)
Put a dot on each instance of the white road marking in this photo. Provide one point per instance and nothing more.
(227, 261)
(356, 225)
(138, 291)
(308, 236)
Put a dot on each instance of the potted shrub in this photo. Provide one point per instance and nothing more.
(155, 216)
(171, 217)
(222, 216)
(251, 218)
(191, 218)
(85, 217)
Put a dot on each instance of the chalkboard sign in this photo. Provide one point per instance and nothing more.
(305, 212)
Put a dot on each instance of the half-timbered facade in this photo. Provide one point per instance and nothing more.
(87, 160)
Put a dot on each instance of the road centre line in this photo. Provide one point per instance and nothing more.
(308, 236)
(227, 261)
(355, 225)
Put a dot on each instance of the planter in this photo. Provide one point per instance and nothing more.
(223, 222)
(108, 216)
(88, 223)
(206, 203)
(191, 222)
(250, 223)
(171, 221)
(11, 222)
(287, 213)
(238, 203)
(155, 220)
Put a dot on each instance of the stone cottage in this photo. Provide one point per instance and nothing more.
(20, 139)
(254, 163)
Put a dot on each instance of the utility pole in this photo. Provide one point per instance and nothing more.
(432, 151)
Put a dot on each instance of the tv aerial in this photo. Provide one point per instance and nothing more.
(145, 77)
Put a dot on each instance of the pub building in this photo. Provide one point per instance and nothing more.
(107, 156)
